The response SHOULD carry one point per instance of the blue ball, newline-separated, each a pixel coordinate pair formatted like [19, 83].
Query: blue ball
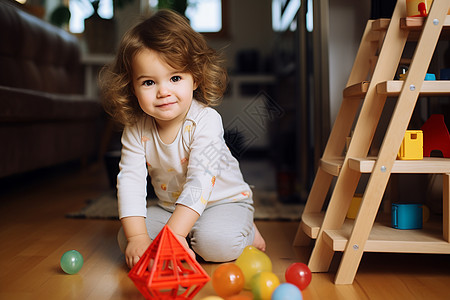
[71, 262]
[287, 291]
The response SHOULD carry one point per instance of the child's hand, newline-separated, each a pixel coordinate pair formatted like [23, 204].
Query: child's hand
[136, 248]
[183, 241]
[181, 222]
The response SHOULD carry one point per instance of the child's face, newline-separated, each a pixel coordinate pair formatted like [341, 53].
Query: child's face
[162, 92]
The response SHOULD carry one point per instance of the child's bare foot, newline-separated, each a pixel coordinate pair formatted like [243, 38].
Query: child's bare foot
[258, 241]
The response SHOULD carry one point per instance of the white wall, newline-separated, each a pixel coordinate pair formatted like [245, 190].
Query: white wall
[348, 19]
[250, 27]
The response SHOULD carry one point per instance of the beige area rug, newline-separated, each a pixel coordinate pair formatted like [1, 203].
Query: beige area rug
[267, 207]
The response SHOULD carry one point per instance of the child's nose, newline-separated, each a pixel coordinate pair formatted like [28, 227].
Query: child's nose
[163, 91]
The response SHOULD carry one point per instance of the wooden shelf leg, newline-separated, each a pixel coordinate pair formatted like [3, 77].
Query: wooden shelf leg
[339, 132]
[334, 148]
[363, 225]
[446, 207]
[344, 190]
[315, 202]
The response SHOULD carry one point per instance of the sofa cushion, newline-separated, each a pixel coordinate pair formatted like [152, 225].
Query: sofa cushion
[37, 55]
[21, 105]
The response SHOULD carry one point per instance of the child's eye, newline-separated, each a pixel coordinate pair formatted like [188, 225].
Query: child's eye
[148, 83]
[175, 78]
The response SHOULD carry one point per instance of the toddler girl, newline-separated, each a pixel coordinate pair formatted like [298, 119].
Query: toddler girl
[161, 88]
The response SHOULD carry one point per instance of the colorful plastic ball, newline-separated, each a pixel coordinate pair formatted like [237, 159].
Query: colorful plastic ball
[287, 291]
[245, 295]
[71, 262]
[228, 280]
[263, 284]
[252, 261]
[212, 298]
[299, 275]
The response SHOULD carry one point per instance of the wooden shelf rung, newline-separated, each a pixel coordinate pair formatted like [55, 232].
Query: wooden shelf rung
[311, 223]
[429, 165]
[429, 87]
[393, 88]
[356, 90]
[387, 239]
[416, 23]
[332, 166]
[405, 61]
[381, 24]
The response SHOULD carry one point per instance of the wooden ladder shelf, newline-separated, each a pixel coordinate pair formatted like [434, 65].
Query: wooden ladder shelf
[369, 84]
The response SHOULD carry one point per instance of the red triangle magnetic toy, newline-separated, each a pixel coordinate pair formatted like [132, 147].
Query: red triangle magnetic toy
[167, 270]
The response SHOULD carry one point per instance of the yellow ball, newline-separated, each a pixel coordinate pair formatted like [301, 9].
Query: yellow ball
[263, 284]
[251, 262]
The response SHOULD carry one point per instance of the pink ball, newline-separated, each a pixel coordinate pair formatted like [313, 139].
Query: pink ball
[299, 275]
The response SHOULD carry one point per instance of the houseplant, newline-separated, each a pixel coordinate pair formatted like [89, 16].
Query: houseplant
[99, 33]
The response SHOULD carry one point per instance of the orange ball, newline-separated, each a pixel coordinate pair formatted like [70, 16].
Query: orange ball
[246, 295]
[228, 280]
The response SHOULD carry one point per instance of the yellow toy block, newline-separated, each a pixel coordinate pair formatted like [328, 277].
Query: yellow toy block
[354, 206]
[412, 146]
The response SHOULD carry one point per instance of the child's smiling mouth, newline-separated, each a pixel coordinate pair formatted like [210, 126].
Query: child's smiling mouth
[165, 105]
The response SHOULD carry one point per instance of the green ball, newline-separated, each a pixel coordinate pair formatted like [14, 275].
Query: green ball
[71, 262]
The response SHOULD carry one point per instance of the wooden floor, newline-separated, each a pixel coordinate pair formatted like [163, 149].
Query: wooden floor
[34, 234]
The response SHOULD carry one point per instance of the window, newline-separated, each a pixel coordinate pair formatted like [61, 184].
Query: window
[284, 13]
[82, 9]
[206, 16]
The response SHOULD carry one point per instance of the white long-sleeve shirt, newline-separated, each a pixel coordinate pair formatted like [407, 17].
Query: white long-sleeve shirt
[197, 169]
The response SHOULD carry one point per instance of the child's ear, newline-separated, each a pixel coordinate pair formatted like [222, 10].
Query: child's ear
[195, 85]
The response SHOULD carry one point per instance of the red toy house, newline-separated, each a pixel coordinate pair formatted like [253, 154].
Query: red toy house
[436, 136]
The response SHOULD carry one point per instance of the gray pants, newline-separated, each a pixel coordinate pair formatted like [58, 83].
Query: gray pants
[219, 235]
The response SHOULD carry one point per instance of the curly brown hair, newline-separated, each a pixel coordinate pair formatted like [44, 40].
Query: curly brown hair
[182, 48]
